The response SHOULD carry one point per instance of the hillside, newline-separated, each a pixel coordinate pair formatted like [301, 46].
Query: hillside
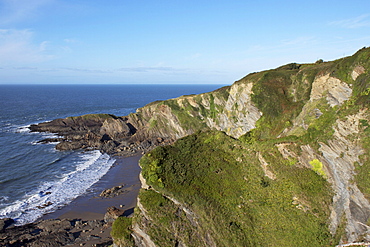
[279, 158]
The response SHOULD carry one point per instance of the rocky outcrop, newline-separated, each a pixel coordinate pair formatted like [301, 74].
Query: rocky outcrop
[56, 233]
[108, 133]
[313, 114]
[315, 109]
[238, 114]
[159, 123]
[113, 192]
[357, 71]
[339, 157]
[335, 90]
[112, 214]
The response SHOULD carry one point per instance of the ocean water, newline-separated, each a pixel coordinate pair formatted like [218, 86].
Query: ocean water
[36, 179]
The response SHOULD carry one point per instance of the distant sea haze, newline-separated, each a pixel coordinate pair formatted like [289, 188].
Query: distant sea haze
[35, 178]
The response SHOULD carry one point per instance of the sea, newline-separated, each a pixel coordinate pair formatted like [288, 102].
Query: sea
[36, 179]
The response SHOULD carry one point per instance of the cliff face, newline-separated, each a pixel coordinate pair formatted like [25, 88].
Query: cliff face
[228, 109]
[279, 158]
[291, 120]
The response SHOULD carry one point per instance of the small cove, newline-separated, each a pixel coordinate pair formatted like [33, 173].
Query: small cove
[90, 205]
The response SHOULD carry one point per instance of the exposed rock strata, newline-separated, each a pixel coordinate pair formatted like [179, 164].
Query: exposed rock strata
[339, 156]
[315, 91]
[108, 133]
[157, 123]
[55, 233]
[113, 192]
[112, 214]
[335, 90]
[239, 115]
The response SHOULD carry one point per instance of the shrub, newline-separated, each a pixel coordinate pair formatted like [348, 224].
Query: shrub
[121, 231]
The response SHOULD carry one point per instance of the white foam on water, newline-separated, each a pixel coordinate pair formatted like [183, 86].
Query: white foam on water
[4, 200]
[50, 196]
[22, 129]
[25, 129]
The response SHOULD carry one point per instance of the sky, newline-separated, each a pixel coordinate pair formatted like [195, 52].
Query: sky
[171, 41]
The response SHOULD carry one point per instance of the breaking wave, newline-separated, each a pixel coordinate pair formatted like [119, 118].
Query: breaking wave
[51, 195]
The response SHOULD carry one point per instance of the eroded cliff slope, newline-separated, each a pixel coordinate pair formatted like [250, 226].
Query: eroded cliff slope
[282, 159]
[279, 158]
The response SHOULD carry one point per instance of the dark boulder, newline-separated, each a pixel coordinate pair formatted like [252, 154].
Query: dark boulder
[113, 192]
[112, 214]
[4, 223]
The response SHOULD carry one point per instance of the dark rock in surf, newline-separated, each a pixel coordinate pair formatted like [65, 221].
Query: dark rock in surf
[4, 223]
[104, 132]
[95, 131]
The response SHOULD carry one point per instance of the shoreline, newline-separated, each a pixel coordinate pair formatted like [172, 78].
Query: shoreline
[86, 221]
[90, 206]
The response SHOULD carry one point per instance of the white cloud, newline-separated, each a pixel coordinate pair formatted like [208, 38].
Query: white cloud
[148, 69]
[356, 22]
[87, 70]
[16, 46]
[25, 68]
[12, 11]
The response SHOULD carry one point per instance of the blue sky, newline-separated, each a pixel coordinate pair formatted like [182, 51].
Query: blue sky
[142, 41]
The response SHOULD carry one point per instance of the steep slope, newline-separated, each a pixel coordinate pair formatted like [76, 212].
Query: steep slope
[302, 128]
[227, 109]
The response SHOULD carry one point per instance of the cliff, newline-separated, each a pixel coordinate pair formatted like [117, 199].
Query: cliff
[279, 158]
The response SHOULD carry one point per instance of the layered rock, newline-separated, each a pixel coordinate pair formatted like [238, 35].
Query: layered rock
[108, 133]
[315, 114]
[56, 233]
[318, 111]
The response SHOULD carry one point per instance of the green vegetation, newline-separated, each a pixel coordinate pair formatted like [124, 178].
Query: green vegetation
[271, 94]
[363, 169]
[221, 183]
[317, 167]
[184, 115]
[169, 223]
[343, 67]
[231, 197]
[121, 231]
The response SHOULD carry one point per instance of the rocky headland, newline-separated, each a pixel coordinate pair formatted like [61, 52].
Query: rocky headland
[107, 133]
[279, 158]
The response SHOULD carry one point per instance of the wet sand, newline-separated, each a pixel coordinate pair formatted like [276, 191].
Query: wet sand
[90, 206]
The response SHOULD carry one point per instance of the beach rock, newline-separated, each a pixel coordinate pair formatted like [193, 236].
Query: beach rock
[44, 233]
[4, 223]
[103, 132]
[50, 140]
[55, 225]
[116, 128]
[112, 192]
[112, 214]
[58, 232]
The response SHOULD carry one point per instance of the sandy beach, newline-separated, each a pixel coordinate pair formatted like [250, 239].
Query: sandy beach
[91, 206]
